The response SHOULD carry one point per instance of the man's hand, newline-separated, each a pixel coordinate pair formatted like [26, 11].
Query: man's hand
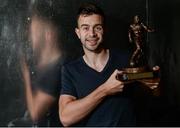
[156, 68]
[130, 40]
[113, 85]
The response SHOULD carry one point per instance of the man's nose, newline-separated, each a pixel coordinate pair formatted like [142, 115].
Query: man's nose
[92, 32]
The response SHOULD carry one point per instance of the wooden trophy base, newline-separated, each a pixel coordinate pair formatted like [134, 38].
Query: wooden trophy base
[143, 75]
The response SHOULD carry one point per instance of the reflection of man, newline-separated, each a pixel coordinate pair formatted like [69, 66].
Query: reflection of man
[42, 80]
[136, 35]
[91, 95]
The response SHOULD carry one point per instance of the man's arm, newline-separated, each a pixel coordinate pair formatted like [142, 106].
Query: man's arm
[38, 103]
[146, 28]
[129, 34]
[72, 110]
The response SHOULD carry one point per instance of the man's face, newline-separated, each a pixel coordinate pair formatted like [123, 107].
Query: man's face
[136, 19]
[90, 31]
[36, 34]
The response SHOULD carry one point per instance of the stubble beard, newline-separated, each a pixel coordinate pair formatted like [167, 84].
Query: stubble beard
[95, 49]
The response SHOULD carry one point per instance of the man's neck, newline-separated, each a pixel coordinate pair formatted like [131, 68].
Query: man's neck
[98, 60]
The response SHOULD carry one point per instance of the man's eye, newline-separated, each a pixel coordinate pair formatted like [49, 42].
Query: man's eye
[98, 28]
[85, 28]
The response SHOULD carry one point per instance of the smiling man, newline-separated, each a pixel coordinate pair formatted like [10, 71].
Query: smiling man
[91, 95]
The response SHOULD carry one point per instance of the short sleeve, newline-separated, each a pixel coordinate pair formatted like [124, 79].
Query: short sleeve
[67, 82]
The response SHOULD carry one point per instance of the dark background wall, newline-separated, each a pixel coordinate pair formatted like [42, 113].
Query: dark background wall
[162, 47]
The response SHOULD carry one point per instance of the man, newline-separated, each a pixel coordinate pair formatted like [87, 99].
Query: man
[136, 35]
[41, 81]
[91, 95]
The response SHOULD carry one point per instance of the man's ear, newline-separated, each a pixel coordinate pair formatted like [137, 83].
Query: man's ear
[77, 32]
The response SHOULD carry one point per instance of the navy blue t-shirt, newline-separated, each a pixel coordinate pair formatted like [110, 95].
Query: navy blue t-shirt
[79, 80]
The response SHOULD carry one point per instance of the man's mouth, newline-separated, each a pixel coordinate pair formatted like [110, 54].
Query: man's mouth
[92, 41]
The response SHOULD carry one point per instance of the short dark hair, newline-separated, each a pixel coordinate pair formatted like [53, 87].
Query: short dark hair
[89, 9]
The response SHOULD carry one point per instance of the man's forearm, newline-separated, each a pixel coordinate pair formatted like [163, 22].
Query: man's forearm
[29, 94]
[76, 110]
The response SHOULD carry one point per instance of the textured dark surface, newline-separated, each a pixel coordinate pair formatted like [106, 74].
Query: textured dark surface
[163, 48]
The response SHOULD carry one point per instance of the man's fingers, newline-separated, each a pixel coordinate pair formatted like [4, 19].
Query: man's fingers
[156, 68]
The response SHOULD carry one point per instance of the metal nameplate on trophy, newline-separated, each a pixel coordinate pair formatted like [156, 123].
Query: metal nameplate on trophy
[135, 76]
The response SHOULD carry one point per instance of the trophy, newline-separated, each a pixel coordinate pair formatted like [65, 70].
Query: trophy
[138, 69]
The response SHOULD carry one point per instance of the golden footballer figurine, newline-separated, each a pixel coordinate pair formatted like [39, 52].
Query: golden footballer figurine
[136, 35]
